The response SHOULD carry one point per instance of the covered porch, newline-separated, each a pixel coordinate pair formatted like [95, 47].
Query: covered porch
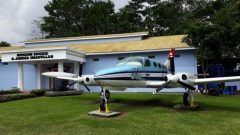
[61, 59]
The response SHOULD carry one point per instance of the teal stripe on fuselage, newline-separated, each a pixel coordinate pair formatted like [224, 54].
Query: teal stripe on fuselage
[130, 69]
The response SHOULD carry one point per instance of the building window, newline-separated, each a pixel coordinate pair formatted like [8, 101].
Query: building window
[151, 57]
[96, 59]
[120, 58]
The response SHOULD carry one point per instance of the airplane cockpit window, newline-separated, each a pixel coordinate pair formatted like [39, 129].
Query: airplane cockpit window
[147, 63]
[159, 65]
[134, 61]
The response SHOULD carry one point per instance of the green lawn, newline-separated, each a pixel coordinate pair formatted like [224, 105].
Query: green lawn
[142, 114]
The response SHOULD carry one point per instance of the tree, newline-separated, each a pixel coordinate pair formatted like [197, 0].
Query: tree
[227, 20]
[129, 18]
[99, 18]
[4, 44]
[202, 36]
[37, 30]
[78, 17]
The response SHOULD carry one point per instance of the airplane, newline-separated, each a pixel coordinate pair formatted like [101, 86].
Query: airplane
[142, 72]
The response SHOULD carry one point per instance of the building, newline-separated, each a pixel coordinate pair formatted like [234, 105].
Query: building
[21, 66]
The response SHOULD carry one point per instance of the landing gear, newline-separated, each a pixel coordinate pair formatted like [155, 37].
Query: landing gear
[103, 110]
[107, 94]
[188, 102]
[104, 97]
[188, 98]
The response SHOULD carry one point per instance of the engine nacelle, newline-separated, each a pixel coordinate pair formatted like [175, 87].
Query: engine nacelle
[89, 80]
[183, 77]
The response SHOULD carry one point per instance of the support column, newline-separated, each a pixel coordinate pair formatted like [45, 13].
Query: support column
[76, 71]
[60, 66]
[39, 78]
[20, 77]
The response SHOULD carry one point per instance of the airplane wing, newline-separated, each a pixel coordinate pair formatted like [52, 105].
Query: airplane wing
[156, 83]
[217, 79]
[59, 74]
[72, 79]
[63, 75]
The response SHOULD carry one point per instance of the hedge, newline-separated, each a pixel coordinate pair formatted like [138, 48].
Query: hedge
[18, 96]
[38, 92]
[13, 91]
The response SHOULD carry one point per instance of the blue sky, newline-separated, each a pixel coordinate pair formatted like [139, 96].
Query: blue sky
[17, 15]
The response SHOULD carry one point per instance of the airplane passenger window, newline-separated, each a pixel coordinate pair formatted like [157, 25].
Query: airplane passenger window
[155, 64]
[147, 63]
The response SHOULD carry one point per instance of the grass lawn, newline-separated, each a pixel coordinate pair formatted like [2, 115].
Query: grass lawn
[142, 114]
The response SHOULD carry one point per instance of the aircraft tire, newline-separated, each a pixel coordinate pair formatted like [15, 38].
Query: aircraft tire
[107, 94]
[186, 99]
[102, 105]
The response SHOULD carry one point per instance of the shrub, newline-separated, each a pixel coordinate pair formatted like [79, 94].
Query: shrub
[38, 92]
[12, 97]
[3, 92]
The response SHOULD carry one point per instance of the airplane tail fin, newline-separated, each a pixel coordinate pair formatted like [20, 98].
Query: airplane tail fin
[170, 61]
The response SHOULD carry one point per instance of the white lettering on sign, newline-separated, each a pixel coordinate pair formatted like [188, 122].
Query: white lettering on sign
[35, 55]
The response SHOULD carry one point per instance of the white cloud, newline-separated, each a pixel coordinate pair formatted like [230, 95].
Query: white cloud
[16, 17]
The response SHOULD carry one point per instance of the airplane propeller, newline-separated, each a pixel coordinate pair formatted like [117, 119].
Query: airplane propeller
[186, 85]
[80, 75]
[171, 59]
[172, 54]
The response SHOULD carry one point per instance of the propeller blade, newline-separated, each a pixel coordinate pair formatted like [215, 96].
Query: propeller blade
[80, 69]
[86, 87]
[186, 85]
[70, 84]
[171, 59]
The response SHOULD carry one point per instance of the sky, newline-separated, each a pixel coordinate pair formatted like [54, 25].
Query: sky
[16, 18]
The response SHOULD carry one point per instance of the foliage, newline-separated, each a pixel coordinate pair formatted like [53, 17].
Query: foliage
[37, 30]
[227, 20]
[208, 24]
[4, 44]
[38, 92]
[12, 97]
[129, 18]
[78, 17]
[13, 91]
[142, 114]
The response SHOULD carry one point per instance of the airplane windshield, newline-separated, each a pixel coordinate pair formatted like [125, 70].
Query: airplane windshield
[134, 61]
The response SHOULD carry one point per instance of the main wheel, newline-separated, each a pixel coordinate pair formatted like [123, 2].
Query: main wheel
[186, 99]
[102, 105]
[107, 94]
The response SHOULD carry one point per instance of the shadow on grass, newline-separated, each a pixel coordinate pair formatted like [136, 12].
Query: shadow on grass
[210, 107]
[128, 103]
